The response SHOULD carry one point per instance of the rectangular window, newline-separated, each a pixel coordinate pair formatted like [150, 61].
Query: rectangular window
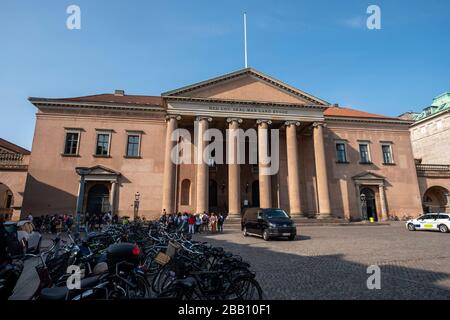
[364, 153]
[387, 154]
[102, 148]
[341, 153]
[133, 145]
[71, 143]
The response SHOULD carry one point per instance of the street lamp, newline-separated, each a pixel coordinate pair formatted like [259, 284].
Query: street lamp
[137, 197]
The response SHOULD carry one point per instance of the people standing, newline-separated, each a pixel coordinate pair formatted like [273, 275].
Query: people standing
[69, 222]
[163, 218]
[213, 222]
[220, 220]
[198, 223]
[191, 222]
[205, 222]
[53, 224]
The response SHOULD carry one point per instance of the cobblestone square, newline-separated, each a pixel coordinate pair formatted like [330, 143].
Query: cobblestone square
[330, 262]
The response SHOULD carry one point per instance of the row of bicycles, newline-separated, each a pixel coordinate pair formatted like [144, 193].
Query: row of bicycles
[141, 261]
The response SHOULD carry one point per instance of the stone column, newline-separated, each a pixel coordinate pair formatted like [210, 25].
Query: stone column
[293, 169]
[384, 212]
[169, 166]
[202, 183]
[112, 200]
[321, 171]
[234, 172]
[265, 185]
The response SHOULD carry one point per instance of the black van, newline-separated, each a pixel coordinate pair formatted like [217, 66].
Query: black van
[268, 223]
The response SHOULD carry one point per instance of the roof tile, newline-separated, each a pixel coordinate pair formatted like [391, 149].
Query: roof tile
[352, 113]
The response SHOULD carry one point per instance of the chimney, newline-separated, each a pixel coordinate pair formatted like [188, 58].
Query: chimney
[120, 93]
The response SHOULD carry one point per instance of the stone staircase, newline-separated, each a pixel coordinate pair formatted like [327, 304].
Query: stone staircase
[235, 223]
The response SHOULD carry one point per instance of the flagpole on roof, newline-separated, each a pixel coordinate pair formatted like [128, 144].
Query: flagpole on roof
[245, 39]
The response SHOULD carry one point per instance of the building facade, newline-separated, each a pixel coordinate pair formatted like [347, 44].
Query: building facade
[13, 173]
[430, 139]
[115, 152]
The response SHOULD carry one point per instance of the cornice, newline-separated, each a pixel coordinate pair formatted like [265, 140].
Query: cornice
[243, 102]
[366, 120]
[42, 103]
[431, 117]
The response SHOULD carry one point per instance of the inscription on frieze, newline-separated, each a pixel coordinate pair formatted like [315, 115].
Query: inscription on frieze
[247, 109]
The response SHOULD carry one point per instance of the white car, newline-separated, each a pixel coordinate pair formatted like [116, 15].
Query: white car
[26, 234]
[430, 221]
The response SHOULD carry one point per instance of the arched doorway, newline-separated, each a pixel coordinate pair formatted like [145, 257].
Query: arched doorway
[255, 193]
[6, 201]
[368, 206]
[212, 193]
[6, 197]
[98, 199]
[435, 199]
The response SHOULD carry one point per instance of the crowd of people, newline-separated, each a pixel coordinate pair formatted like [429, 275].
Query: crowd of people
[194, 223]
[187, 222]
[64, 222]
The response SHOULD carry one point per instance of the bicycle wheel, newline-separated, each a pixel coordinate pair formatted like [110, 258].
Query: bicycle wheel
[161, 277]
[244, 288]
[140, 288]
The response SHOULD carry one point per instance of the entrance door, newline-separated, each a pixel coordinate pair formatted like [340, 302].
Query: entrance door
[368, 207]
[212, 194]
[255, 193]
[98, 199]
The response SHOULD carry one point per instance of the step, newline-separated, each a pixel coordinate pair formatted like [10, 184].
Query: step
[311, 222]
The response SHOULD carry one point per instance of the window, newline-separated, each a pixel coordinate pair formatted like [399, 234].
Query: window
[364, 155]
[103, 141]
[185, 192]
[71, 143]
[9, 200]
[133, 145]
[387, 154]
[341, 153]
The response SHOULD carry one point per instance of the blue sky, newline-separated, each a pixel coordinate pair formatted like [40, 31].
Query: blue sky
[147, 47]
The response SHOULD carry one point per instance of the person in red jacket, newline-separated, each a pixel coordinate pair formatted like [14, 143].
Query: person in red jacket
[191, 222]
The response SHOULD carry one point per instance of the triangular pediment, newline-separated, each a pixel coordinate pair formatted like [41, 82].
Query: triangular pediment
[247, 85]
[98, 170]
[368, 176]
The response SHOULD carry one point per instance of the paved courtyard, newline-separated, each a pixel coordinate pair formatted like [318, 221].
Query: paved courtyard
[330, 262]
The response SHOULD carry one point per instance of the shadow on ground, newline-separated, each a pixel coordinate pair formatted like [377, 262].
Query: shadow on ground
[295, 276]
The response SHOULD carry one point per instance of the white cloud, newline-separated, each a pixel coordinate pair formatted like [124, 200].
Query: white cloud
[355, 22]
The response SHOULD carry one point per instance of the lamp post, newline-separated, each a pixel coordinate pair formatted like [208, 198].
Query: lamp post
[364, 205]
[137, 197]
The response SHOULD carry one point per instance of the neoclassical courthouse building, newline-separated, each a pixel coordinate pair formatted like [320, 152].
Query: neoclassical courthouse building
[112, 152]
